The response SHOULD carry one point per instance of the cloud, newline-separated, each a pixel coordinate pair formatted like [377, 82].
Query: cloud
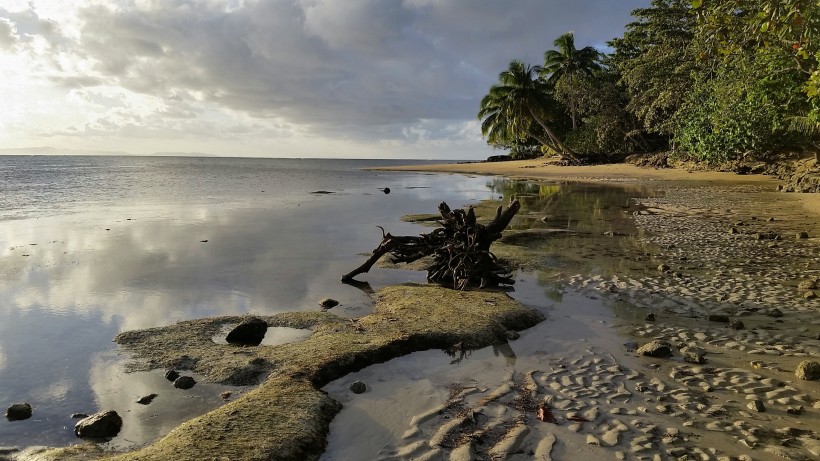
[367, 70]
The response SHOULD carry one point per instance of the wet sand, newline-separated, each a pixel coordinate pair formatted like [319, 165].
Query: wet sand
[719, 281]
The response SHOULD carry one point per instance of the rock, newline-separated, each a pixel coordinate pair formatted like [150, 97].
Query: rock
[386, 190]
[146, 399]
[756, 405]
[18, 412]
[171, 375]
[733, 230]
[803, 235]
[808, 370]
[656, 348]
[250, 332]
[328, 303]
[630, 346]
[774, 312]
[795, 410]
[693, 357]
[809, 295]
[103, 425]
[512, 335]
[650, 317]
[808, 284]
[722, 318]
[225, 395]
[664, 268]
[184, 382]
[78, 415]
[358, 387]
[737, 325]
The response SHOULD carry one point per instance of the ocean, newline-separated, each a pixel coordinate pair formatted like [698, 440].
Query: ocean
[93, 246]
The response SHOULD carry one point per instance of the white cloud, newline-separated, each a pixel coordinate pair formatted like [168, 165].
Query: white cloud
[362, 72]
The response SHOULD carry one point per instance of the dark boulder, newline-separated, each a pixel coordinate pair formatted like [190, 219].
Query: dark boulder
[250, 332]
[184, 382]
[328, 303]
[18, 412]
[171, 375]
[102, 425]
[358, 387]
[656, 348]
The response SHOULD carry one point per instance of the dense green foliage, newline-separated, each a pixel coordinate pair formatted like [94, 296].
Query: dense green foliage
[713, 80]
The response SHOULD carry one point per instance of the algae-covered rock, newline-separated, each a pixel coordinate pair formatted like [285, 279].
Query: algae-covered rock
[808, 370]
[656, 348]
[287, 417]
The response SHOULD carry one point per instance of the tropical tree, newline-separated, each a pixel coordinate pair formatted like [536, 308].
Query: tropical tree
[519, 107]
[656, 62]
[564, 66]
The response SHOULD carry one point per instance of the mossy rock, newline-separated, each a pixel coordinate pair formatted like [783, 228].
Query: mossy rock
[287, 417]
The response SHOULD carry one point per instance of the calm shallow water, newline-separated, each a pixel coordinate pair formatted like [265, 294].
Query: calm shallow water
[94, 246]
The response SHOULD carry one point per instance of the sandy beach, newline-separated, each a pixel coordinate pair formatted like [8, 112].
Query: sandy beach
[718, 271]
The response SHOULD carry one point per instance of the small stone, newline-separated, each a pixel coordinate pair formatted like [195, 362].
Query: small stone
[386, 190]
[184, 382]
[774, 312]
[630, 346]
[101, 425]
[803, 235]
[692, 357]
[78, 415]
[18, 412]
[329, 303]
[226, 395]
[808, 370]
[650, 317]
[808, 284]
[722, 318]
[664, 268]
[737, 325]
[733, 230]
[146, 399]
[756, 405]
[809, 295]
[358, 387]
[795, 410]
[656, 348]
[171, 375]
[512, 335]
[250, 332]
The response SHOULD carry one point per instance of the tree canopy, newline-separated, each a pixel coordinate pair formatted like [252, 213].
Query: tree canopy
[711, 80]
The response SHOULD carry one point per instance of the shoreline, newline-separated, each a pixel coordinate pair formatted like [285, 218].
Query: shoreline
[693, 209]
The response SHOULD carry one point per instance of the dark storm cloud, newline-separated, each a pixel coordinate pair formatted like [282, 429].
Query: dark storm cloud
[366, 66]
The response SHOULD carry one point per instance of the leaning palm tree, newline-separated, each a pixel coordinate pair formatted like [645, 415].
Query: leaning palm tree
[569, 63]
[512, 107]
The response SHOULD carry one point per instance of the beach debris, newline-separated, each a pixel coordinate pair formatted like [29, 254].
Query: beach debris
[184, 382]
[18, 412]
[358, 387]
[545, 414]
[656, 348]
[250, 332]
[460, 249]
[328, 303]
[102, 425]
[171, 375]
[203, 241]
[145, 400]
[808, 370]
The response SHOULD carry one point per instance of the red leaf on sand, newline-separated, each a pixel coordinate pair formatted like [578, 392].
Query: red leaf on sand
[545, 415]
[579, 419]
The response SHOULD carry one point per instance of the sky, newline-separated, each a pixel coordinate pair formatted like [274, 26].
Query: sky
[272, 78]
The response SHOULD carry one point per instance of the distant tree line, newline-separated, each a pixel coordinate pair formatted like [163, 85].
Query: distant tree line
[709, 80]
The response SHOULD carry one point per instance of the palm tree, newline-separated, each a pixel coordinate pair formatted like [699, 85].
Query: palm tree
[518, 101]
[568, 63]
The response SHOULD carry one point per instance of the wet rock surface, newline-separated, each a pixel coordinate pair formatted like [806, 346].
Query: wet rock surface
[250, 332]
[102, 425]
[18, 412]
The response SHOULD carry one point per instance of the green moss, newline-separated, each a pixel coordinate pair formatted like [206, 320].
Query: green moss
[287, 417]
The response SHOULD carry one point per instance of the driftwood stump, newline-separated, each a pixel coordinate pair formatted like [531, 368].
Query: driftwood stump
[460, 249]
